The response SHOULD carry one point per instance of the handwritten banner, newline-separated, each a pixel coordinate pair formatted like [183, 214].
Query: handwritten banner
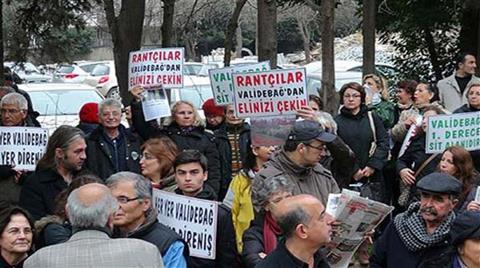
[22, 147]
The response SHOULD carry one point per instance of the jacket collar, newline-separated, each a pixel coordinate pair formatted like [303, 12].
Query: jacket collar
[88, 234]
[348, 113]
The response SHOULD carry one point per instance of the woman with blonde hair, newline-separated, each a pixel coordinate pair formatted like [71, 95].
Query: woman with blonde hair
[377, 99]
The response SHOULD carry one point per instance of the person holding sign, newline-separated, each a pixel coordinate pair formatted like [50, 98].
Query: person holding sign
[135, 218]
[190, 173]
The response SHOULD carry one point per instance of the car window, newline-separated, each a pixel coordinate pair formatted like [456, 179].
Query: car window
[65, 69]
[62, 102]
[313, 85]
[88, 67]
[191, 69]
[100, 70]
[196, 94]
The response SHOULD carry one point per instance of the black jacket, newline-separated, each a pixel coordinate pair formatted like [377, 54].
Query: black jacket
[225, 243]
[340, 162]
[282, 258]
[87, 128]
[390, 251]
[242, 134]
[39, 192]
[253, 242]
[225, 157]
[99, 159]
[356, 132]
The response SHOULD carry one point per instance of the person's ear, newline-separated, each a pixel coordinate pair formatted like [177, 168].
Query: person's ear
[146, 204]
[59, 153]
[301, 231]
[205, 175]
[454, 202]
[24, 114]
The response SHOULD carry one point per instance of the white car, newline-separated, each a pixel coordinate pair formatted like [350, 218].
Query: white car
[314, 80]
[104, 79]
[196, 89]
[28, 72]
[74, 73]
[59, 103]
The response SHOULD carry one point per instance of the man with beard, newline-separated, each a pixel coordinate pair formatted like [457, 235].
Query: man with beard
[419, 237]
[63, 159]
[299, 161]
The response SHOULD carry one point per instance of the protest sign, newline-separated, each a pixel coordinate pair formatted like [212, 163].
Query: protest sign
[163, 66]
[222, 84]
[276, 92]
[272, 130]
[22, 147]
[455, 129]
[155, 103]
[195, 220]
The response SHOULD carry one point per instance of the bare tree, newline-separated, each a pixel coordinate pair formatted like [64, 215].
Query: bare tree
[267, 31]
[126, 30]
[368, 29]
[231, 29]
[167, 25]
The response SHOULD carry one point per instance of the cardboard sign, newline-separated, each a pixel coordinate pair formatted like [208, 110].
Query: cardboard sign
[22, 147]
[455, 129]
[276, 92]
[222, 84]
[163, 66]
[195, 220]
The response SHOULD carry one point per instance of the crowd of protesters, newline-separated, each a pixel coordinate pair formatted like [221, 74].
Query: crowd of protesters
[89, 201]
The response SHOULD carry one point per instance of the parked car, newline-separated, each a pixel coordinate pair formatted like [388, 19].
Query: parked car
[104, 79]
[28, 72]
[196, 89]
[59, 103]
[74, 73]
[314, 80]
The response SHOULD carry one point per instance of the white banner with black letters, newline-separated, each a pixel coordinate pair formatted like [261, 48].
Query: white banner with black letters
[22, 147]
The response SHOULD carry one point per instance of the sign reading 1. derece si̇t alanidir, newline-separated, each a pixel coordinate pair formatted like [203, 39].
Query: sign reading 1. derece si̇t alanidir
[22, 147]
[163, 66]
[222, 84]
[455, 129]
[276, 92]
[195, 220]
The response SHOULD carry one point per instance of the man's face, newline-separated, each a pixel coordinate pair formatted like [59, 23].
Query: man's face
[110, 117]
[230, 116]
[12, 115]
[319, 228]
[312, 153]
[434, 208]
[73, 158]
[190, 178]
[131, 211]
[468, 65]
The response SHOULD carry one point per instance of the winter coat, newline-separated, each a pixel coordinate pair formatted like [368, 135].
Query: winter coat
[225, 243]
[167, 184]
[390, 251]
[196, 139]
[225, 157]
[99, 157]
[281, 257]
[475, 154]
[253, 242]
[449, 92]
[239, 137]
[316, 180]
[87, 128]
[340, 161]
[39, 192]
[51, 230]
[360, 140]
[385, 110]
[9, 187]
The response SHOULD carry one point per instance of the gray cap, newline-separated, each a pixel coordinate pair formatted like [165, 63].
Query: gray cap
[306, 130]
[439, 183]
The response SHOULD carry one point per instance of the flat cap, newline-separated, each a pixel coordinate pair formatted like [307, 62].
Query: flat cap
[466, 226]
[439, 183]
[306, 130]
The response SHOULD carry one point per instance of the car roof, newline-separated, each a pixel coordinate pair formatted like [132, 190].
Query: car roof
[54, 86]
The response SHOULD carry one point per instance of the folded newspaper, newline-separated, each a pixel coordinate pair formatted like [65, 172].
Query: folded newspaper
[355, 216]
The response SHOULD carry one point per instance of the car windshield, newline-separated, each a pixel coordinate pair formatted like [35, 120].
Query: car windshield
[62, 102]
[88, 67]
[100, 70]
[65, 69]
[196, 94]
[192, 69]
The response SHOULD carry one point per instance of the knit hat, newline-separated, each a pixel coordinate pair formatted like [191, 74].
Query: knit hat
[210, 109]
[89, 113]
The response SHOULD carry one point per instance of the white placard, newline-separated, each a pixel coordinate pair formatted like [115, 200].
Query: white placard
[276, 92]
[155, 103]
[22, 147]
[456, 129]
[163, 66]
[222, 84]
[195, 220]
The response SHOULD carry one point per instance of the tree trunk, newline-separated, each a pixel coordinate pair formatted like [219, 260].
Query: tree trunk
[167, 25]
[126, 30]
[368, 29]
[470, 28]
[238, 41]
[230, 31]
[433, 54]
[303, 29]
[329, 94]
[2, 77]
[267, 31]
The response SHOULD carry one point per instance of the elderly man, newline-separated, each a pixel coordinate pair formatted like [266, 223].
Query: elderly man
[13, 111]
[417, 237]
[91, 209]
[299, 161]
[110, 147]
[63, 159]
[135, 218]
[306, 227]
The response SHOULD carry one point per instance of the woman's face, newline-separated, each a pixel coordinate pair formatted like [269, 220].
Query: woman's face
[274, 199]
[471, 252]
[422, 94]
[17, 236]
[446, 164]
[149, 164]
[263, 152]
[474, 97]
[352, 99]
[184, 115]
[402, 96]
[425, 119]
[314, 106]
[371, 84]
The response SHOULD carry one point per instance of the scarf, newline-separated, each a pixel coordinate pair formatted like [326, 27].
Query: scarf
[270, 233]
[411, 229]
[187, 130]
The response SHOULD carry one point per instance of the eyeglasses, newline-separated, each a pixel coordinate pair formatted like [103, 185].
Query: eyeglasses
[107, 114]
[147, 156]
[124, 199]
[320, 148]
[9, 111]
[354, 96]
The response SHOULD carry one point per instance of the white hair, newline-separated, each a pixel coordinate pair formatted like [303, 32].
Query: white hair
[96, 214]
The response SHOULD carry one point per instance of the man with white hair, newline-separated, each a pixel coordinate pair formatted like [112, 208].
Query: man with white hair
[13, 111]
[91, 209]
[111, 147]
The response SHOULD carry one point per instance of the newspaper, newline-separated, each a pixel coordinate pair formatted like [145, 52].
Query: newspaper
[355, 216]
